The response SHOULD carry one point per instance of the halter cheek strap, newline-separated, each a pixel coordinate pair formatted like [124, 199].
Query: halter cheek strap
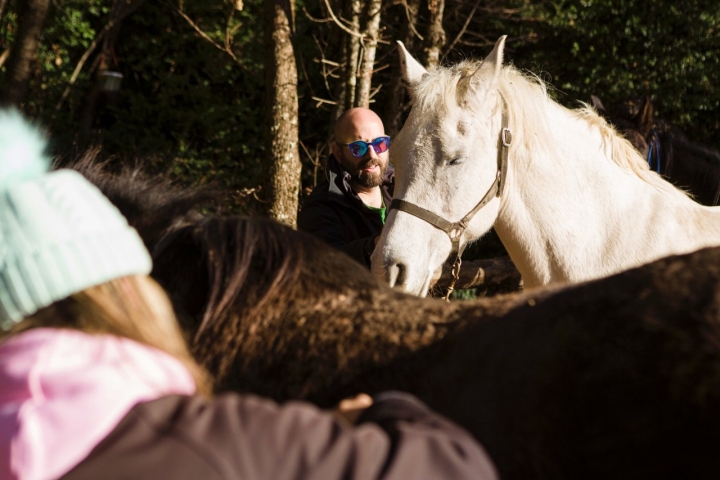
[455, 230]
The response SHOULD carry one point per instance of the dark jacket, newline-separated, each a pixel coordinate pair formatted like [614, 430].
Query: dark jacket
[246, 437]
[334, 213]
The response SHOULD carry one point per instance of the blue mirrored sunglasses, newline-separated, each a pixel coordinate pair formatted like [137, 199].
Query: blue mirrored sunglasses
[359, 148]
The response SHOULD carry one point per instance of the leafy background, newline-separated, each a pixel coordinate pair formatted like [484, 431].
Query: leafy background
[186, 108]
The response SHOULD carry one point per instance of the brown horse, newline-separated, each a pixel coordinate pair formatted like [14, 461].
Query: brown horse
[615, 378]
[687, 164]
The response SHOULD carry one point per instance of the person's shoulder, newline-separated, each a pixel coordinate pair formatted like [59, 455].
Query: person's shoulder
[318, 195]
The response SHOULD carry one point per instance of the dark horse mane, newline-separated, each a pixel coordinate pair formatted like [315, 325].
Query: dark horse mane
[614, 378]
[687, 164]
[242, 286]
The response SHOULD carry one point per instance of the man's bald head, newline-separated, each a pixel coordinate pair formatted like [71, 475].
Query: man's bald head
[353, 123]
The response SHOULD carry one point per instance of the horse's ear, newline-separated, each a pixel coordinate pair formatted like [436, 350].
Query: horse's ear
[410, 68]
[493, 62]
[647, 120]
[490, 67]
[597, 104]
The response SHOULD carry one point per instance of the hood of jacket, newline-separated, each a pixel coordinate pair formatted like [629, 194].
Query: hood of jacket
[62, 391]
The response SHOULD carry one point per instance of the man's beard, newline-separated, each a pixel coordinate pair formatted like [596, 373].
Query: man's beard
[361, 177]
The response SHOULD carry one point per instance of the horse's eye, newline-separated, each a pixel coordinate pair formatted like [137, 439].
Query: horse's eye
[456, 161]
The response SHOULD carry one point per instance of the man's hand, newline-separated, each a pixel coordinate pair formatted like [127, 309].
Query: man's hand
[351, 408]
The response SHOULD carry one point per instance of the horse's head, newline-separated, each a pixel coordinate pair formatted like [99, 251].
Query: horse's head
[446, 159]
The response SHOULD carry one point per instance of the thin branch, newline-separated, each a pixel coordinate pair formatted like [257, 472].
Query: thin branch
[4, 56]
[81, 63]
[411, 22]
[462, 30]
[305, 74]
[205, 35]
[476, 44]
[316, 20]
[375, 91]
[325, 73]
[343, 27]
[228, 36]
[320, 101]
[93, 45]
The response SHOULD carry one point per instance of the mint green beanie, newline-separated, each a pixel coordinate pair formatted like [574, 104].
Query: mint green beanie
[58, 234]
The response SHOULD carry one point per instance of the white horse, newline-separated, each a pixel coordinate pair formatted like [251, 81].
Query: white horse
[573, 201]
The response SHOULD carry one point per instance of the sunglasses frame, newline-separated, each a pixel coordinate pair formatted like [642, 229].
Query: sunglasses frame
[368, 145]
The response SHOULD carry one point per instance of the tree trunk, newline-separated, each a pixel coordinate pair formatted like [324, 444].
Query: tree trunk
[32, 16]
[371, 33]
[435, 38]
[398, 104]
[353, 56]
[282, 172]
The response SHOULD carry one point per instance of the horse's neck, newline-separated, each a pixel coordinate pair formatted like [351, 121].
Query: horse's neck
[577, 215]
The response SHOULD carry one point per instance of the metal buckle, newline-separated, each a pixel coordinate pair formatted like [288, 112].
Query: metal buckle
[506, 137]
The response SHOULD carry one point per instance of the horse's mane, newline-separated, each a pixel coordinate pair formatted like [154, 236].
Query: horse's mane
[230, 278]
[527, 100]
[622, 152]
[236, 267]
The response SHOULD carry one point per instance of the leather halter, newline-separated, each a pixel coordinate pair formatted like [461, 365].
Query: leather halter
[455, 230]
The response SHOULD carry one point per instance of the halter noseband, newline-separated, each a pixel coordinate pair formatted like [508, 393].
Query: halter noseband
[455, 230]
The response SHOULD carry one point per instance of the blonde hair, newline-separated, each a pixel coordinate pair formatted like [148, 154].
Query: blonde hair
[134, 307]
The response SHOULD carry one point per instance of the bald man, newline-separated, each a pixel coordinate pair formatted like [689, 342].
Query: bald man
[348, 210]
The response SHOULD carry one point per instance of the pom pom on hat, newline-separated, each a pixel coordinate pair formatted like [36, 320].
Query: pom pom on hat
[21, 150]
[58, 234]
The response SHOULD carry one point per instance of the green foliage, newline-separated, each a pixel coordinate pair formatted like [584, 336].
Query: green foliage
[189, 108]
[668, 50]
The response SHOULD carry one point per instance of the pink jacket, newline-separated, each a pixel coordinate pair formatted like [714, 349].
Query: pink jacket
[63, 391]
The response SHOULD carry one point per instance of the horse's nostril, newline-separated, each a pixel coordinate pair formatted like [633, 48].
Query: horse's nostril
[396, 274]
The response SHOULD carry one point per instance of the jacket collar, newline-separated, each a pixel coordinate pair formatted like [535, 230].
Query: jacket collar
[63, 391]
[341, 191]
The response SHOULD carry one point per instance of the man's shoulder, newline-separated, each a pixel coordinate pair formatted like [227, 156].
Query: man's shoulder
[319, 194]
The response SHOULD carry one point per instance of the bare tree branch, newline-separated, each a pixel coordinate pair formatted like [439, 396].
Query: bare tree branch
[204, 35]
[462, 30]
[316, 20]
[93, 45]
[4, 56]
[411, 22]
[339, 24]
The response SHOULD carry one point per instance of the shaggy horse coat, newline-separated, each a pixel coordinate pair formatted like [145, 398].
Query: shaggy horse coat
[615, 378]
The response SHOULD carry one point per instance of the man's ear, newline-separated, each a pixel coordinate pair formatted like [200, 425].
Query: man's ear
[335, 151]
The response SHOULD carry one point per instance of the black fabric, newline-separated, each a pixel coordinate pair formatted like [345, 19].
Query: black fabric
[334, 213]
[246, 437]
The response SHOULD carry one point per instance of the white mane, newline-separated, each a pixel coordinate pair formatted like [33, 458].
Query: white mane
[526, 98]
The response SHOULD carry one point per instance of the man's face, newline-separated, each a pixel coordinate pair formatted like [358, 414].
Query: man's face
[366, 171]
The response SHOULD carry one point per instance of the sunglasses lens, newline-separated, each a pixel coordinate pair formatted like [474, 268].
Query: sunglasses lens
[381, 144]
[358, 149]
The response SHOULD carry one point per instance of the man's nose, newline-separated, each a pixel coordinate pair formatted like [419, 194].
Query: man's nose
[371, 152]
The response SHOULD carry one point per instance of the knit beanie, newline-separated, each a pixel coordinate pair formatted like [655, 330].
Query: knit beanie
[58, 234]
